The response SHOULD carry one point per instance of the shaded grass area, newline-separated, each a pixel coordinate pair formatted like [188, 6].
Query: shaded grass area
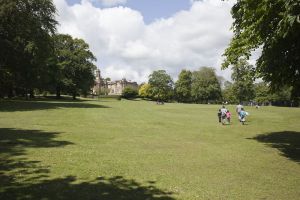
[288, 142]
[102, 188]
[140, 150]
[42, 104]
[13, 162]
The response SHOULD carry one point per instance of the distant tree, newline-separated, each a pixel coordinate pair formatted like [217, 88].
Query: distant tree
[262, 93]
[183, 86]
[74, 66]
[161, 85]
[282, 97]
[274, 27]
[144, 91]
[25, 38]
[205, 85]
[243, 77]
[228, 93]
[129, 93]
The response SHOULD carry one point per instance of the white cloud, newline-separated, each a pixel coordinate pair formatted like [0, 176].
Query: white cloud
[109, 3]
[127, 47]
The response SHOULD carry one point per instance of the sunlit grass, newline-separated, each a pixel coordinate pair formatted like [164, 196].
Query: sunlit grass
[180, 149]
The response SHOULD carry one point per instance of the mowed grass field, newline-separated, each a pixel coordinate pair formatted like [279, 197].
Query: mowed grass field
[109, 149]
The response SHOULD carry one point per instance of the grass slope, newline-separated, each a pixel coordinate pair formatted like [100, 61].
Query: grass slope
[138, 150]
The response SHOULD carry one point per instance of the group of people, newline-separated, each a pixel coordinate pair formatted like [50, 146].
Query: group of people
[224, 115]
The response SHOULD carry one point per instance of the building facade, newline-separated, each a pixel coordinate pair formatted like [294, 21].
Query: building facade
[107, 87]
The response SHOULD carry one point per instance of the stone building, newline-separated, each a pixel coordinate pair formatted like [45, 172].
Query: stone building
[107, 87]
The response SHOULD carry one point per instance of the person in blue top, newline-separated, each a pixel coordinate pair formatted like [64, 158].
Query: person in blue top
[242, 116]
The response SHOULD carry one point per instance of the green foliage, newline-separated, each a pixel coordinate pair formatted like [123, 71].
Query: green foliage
[274, 27]
[229, 94]
[205, 85]
[161, 85]
[144, 91]
[129, 93]
[74, 67]
[25, 38]
[262, 93]
[243, 80]
[183, 86]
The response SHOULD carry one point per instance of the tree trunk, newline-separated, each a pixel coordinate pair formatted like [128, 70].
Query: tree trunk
[58, 92]
[74, 96]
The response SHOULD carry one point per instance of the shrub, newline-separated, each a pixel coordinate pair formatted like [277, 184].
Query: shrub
[129, 93]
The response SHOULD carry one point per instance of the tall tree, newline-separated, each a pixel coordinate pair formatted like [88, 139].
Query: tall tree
[183, 86]
[274, 27]
[243, 78]
[205, 85]
[73, 71]
[161, 85]
[228, 93]
[25, 30]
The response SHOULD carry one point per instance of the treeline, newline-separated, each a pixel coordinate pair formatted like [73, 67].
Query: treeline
[34, 58]
[204, 86]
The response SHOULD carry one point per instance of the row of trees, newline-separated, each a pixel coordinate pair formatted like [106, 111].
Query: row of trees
[198, 86]
[204, 86]
[34, 58]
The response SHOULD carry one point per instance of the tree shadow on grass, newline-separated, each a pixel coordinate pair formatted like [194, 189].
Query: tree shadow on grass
[14, 142]
[114, 188]
[17, 105]
[288, 142]
[13, 150]
[21, 178]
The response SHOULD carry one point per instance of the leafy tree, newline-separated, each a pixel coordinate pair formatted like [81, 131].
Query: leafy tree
[25, 38]
[205, 85]
[129, 93]
[161, 85]
[282, 97]
[183, 86]
[74, 65]
[228, 93]
[274, 27]
[144, 91]
[243, 78]
[262, 93]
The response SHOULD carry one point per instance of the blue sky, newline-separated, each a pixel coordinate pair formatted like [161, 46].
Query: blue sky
[150, 9]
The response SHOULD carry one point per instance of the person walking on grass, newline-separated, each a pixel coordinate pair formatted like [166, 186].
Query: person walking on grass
[223, 114]
[238, 110]
[242, 116]
[228, 116]
[219, 115]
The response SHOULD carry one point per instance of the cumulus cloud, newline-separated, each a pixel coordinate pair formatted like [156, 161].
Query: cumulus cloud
[127, 47]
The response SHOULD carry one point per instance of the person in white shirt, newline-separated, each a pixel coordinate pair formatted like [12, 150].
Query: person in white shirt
[238, 110]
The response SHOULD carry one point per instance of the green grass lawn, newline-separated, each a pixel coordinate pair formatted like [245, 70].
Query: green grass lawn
[136, 150]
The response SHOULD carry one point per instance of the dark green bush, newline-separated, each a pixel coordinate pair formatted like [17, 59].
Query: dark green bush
[129, 93]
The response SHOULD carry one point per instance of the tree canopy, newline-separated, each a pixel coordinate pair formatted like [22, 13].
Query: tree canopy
[161, 85]
[205, 85]
[242, 75]
[25, 32]
[144, 90]
[183, 86]
[274, 27]
[74, 70]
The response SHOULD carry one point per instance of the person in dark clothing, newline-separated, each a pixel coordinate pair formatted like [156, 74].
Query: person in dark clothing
[219, 115]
